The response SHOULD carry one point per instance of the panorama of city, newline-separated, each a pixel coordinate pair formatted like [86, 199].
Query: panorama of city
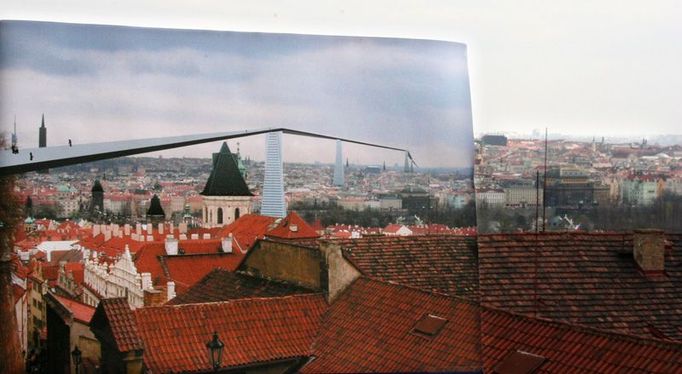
[328, 210]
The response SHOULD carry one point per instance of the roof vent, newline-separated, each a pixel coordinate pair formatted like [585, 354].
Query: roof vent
[429, 325]
[519, 362]
[293, 228]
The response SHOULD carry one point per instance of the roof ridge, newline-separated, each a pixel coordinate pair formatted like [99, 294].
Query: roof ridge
[238, 301]
[662, 343]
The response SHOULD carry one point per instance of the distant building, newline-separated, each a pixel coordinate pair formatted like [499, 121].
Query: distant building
[338, 166]
[97, 197]
[226, 195]
[499, 140]
[273, 204]
[155, 213]
[42, 134]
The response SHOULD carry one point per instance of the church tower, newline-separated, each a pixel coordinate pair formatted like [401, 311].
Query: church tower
[226, 195]
[97, 197]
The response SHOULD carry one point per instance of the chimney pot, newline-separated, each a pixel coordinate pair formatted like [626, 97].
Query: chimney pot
[171, 246]
[226, 244]
[649, 250]
[171, 289]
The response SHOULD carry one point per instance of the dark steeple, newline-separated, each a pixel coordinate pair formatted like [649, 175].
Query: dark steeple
[155, 209]
[97, 197]
[42, 134]
[225, 178]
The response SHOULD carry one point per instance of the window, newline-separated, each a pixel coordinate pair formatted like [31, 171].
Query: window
[236, 214]
[429, 325]
[519, 362]
[220, 216]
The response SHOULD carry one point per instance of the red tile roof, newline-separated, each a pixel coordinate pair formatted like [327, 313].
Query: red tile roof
[223, 285]
[148, 259]
[293, 227]
[575, 349]
[253, 331]
[247, 229]
[370, 328]
[81, 312]
[186, 270]
[440, 263]
[77, 269]
[121, 320]
[586, 279]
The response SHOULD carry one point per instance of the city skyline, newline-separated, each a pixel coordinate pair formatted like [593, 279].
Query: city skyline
[99, 83]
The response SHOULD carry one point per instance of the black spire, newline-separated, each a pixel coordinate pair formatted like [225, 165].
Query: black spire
[155, 208]
[225, 178]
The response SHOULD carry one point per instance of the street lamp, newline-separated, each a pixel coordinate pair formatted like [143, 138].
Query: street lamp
[215, 351]
[76, 354]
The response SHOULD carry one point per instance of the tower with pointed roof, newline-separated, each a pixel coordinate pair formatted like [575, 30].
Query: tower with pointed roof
[97, 197]
[42, 134]
[226, 195]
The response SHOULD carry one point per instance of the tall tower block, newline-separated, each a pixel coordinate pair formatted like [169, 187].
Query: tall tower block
[338, 166]
[42, 134]
[273, 186]
[407, 163]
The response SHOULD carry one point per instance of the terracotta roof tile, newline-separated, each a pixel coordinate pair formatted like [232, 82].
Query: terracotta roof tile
[222, 285]
[586, 279]
[121, 322]
[253, 330]
[186, 270]
[81, 312]
[569, 348]
[292, 227]
[439, 263]
[370, 328]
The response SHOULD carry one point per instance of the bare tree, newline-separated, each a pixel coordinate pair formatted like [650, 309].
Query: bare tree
[11, 360]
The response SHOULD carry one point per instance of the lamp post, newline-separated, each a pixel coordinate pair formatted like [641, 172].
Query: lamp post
[76, 355]
[215, 351]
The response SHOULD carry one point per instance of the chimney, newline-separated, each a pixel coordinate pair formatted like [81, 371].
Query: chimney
[115, 230]
[194, 236]
[226, 244]
[135, 237]
[150, 229]
[146, 281]
[138, 228]
[107, 236]
[183, 228]
[171, 246]
[153, 297]
[95, 230]
[171, 289]
[649, 250]
[207, 236]
[171, 229]
[183, 237]
[126, 229]
[160, 228]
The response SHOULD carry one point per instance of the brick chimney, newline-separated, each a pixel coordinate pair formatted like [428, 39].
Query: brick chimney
[171, 246]
[160, 229]
[226, 244]
[649, 250]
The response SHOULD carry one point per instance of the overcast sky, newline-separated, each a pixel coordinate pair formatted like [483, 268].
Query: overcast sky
[608, 67]
[99, 83]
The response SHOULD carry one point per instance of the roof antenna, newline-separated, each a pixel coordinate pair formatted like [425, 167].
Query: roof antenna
[544, 188]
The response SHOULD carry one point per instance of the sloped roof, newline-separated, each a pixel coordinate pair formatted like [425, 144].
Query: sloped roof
[588, 279]
[121, 322]
[370, 328]
[248, 229]
[81, 312]
[293, 227]
[186, 270]
[440, 263]
[223, 285]
[253, 331]
[569, 348]
[152, 258]
[225, 178]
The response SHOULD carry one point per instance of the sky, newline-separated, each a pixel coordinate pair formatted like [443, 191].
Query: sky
[587, 68]
[100, 83]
